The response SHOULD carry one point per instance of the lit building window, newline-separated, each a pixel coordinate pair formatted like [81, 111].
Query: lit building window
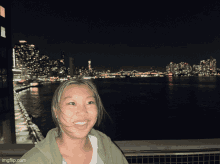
[2, 11]
[3, 32]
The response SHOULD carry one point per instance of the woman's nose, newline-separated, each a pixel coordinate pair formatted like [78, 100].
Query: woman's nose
[82, 109]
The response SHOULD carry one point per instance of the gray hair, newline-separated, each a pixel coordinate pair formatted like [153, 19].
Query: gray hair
[59, 91]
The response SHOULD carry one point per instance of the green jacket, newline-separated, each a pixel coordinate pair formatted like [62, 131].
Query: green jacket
[47, 150]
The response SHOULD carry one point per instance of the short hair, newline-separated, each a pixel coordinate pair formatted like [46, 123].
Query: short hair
[59, 91]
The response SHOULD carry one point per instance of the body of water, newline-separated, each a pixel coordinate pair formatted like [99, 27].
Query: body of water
[150, 108]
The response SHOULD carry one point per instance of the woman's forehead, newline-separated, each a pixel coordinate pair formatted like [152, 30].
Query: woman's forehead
[77, 89]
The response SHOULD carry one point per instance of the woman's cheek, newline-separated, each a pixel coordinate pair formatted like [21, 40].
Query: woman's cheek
[66, 117]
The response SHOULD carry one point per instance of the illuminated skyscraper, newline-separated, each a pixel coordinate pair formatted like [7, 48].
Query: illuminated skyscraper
[89, 64]
[13, 56]
[27, 58]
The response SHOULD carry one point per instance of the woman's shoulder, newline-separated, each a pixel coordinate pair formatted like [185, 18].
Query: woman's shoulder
[34, 155]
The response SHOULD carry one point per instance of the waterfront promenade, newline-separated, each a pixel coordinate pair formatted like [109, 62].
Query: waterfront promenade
[21, 126]
[26, 131]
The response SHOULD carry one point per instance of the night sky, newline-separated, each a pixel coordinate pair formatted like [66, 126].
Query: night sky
[129, 35]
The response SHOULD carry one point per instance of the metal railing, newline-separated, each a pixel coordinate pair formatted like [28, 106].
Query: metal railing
[204, 151]
[34, 131]
[17, 88]
[194, 157]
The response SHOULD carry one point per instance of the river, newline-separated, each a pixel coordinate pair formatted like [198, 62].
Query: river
[152, 108]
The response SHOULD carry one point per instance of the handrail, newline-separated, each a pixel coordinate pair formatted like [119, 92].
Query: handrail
[33, 128]
[169, 147]
[21, 87]
[171, 151]
[179, 152]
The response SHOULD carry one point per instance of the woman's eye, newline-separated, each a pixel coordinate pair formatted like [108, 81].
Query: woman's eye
[71, 103]
[91, 102]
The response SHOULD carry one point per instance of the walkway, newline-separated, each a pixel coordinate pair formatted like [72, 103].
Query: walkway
[21, 127]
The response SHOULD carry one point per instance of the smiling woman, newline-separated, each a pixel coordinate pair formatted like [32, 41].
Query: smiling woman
[76, 108]
[86, 88]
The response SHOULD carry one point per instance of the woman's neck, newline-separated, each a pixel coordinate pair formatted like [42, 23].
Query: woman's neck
[78, 145]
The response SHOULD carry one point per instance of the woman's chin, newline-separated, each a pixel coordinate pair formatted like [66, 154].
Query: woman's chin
[78, 133]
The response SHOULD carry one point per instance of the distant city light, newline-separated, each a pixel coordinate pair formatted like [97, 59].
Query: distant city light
[22, 41]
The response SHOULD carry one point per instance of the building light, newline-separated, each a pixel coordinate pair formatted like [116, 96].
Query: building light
[22, 41]
[2, 11]
[3, 32]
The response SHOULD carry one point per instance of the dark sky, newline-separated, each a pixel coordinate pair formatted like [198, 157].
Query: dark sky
[120, 35]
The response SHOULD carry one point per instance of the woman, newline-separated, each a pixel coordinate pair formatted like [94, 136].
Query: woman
[76, 109]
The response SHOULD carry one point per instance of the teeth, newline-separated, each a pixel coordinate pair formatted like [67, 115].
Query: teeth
[81, 123]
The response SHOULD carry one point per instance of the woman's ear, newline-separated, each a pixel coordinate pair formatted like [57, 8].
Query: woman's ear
[55, 112]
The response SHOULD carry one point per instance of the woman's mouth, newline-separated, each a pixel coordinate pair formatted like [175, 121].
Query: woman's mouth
[81, 125]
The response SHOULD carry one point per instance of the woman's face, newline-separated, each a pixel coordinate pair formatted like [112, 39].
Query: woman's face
[78, 106]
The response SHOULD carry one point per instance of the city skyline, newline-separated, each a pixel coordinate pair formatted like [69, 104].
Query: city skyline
[18, 50]
[131, 36]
